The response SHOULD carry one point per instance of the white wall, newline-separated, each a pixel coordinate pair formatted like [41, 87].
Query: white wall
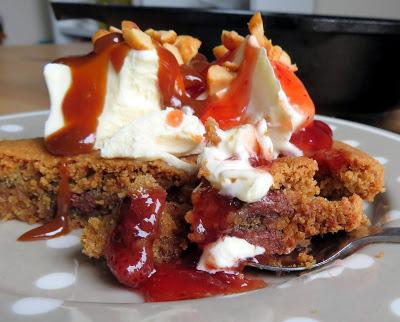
[286, 6]
[25, 21]
[362, 8]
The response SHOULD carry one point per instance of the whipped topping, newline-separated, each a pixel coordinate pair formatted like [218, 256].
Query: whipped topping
[131, 93]
[269, 101]
[226, 253]
[132, 124]
[151, 137]
[273, 121]
[227, 165]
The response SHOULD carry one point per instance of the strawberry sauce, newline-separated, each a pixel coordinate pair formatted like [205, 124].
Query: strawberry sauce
[59, 225]
[230, 110]
[215, 215]
[129, 256]
[129, 252]
[210, 216]
[181, 281]
[312, 138]
[295, 91]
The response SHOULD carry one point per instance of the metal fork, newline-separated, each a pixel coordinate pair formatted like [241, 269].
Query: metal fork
[336, 246]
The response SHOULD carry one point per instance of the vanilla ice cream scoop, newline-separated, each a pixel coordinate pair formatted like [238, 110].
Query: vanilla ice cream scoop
[152, 137]
[132, 123]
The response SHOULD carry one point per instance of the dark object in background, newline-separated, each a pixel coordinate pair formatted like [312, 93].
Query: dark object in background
[2, 34]
[349, 65]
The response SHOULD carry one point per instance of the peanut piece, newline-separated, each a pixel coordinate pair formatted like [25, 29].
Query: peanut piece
[98, 34]
[231, 39]
[137, 39]
[162, 36]
[220, 51]
[127, 25]
[232, 67]
[188, 47]
[175, 52]
[218, 79]
[256, 28]
[114, 29]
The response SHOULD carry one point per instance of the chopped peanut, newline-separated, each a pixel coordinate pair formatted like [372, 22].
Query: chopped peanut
[162, 36]
[98, 34]
[212, 138]
[175, 52]
[220, 51]
[127, 25]
[231, 39]
[267, 44]
[168, 36]
[113, 29]
[211, 131]
[232, 67]
[285, 59]
[218, 79]
[276, 53]
[256, 28]
[137, 39]
[188, 47]
[153, 34]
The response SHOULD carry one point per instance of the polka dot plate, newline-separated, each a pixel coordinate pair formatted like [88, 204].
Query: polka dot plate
[52, 281]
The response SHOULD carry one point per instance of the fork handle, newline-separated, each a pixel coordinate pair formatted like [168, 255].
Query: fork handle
[387, 235]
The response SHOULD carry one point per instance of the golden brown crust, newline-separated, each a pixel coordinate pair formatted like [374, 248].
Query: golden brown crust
[169, 244]
[295, 173]
[358, 174]
[171, 239]
[29, 179]
[95, 235]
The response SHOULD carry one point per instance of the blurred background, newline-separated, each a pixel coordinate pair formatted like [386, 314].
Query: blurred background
[32, 22]
[346, 50]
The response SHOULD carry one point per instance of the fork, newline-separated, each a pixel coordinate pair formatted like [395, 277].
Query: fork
[337, 246]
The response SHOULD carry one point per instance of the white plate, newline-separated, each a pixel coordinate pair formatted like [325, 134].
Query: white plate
[52, 281]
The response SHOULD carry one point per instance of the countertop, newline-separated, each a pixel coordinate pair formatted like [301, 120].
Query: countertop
[22, 86]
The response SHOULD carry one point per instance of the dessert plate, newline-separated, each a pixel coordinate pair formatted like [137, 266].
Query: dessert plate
[52, 281]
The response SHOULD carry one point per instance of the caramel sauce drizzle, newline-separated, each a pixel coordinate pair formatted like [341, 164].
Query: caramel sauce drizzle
[179, 85]
[59, 225]
[84, 101]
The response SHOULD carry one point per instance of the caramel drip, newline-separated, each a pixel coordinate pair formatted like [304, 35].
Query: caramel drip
[84, 101]
[59, 225]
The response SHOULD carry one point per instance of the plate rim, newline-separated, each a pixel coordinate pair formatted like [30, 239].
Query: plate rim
[388, 134]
